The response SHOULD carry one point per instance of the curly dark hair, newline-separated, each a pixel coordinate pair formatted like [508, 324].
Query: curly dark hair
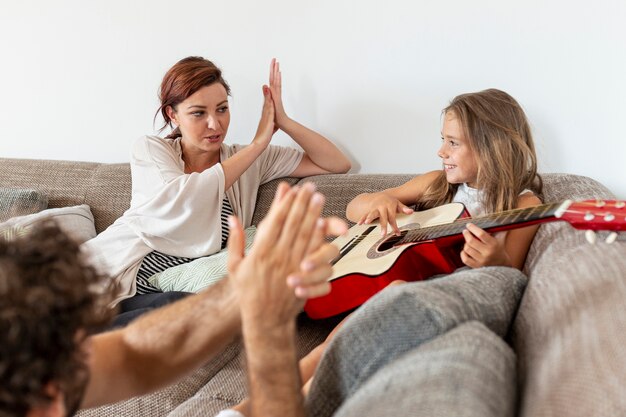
[50, 301]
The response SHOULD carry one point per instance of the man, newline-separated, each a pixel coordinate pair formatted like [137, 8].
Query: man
[51, 303]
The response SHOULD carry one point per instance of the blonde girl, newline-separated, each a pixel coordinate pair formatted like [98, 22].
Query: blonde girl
[488, 163]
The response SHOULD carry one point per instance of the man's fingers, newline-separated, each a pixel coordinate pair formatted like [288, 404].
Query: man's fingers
[281, 190]
[334, 226]
[300, 221]
[313, 292]
[322, 256]
[315, 269]
[312, 279]
[270, 227]
[317, 237]
[310, 230]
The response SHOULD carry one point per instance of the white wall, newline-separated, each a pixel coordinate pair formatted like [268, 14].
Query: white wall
[79, 78]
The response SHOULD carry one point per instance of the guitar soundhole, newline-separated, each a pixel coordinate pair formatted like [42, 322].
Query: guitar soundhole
[391, 241]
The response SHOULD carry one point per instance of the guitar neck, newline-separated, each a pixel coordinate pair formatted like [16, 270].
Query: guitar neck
[505, 220]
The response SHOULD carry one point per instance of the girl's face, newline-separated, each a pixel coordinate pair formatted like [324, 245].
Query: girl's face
[459, 161]
[203, 118]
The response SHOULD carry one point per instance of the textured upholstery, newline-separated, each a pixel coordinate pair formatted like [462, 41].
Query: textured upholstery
[467, 372]
[104, 187]
[20, 202]
[570, 329]
[568, 333]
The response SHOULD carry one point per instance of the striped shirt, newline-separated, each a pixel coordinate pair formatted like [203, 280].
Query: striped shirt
[156, 262]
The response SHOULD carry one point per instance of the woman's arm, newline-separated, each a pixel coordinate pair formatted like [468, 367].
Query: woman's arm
[237, 164]
[321, 155]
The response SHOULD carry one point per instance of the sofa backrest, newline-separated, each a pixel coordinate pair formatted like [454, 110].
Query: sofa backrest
[104, 187]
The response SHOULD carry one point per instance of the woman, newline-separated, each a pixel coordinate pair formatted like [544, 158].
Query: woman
[185, 185]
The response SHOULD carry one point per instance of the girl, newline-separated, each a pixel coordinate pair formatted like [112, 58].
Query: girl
[185, 185]
[489, 165]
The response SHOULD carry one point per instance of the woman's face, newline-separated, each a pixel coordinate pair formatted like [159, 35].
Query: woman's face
[459, 161]
[203, 118]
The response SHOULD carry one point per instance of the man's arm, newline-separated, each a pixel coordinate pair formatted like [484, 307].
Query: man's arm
[161, 347]
[289, 251]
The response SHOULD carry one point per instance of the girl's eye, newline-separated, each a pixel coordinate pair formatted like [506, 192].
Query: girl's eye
[223, 109]
[197, 113]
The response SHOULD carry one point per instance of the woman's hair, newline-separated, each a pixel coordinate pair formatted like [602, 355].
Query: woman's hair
[182, 80]
[50, 300]
[500, 138]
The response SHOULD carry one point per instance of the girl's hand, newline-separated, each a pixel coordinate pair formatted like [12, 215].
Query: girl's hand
[277, 95]
[267, 127]
[484, 249]
[384, 207]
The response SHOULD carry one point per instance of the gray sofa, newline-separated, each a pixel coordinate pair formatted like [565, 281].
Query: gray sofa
[567, 332]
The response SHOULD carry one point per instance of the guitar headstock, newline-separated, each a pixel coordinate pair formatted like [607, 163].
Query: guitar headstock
[594, 214]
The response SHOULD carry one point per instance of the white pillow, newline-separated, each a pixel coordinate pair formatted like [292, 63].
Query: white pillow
[76, 221]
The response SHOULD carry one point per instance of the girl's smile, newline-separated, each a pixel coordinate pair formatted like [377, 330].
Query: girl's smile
[459, 162]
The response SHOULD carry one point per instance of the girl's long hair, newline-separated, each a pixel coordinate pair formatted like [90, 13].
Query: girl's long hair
[500, 137]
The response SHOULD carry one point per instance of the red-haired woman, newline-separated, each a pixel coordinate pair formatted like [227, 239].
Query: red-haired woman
[185, 185]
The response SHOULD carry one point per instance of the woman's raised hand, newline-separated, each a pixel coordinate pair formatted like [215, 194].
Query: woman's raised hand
[276, 93]
[267, 126]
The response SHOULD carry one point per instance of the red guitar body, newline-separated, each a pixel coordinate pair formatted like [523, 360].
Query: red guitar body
[431, 244]
[420, 261]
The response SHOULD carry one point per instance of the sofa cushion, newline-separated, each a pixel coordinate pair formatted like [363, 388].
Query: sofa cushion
[468, 371]
[76, 221]
[18, 202]
[401, 318]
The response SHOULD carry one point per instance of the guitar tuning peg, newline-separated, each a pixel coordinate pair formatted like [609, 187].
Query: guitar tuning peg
[590, 235]
[612, 237]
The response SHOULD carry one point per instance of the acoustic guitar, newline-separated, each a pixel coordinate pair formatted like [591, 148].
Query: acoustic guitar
[430, 243]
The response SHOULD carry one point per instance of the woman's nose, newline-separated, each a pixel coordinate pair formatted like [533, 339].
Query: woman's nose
[211, 122]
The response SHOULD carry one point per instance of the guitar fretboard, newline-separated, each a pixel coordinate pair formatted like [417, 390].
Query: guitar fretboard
[511, 217]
